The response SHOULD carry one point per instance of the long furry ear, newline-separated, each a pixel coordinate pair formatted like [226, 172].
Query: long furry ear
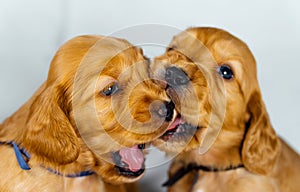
[261, 145]
[50, 135]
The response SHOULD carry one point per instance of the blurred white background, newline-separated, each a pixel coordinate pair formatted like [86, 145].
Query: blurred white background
[31, 31]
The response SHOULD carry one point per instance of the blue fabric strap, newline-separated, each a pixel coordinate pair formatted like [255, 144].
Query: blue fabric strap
[81, 174]
[20, 153]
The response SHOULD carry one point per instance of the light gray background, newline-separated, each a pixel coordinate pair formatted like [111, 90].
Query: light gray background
[31, 31]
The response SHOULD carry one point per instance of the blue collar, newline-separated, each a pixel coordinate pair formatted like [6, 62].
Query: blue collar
[81, 174]
[21, 154]
[194, 167]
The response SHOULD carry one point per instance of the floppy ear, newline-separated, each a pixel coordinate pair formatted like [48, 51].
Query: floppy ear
[50, 135]
[261, 145]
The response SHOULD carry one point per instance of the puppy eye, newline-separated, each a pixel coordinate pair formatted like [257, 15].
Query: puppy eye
[110, 89]
[225, 71]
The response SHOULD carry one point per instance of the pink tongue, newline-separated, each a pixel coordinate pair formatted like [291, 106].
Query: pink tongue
[176, 122]
[133, 157]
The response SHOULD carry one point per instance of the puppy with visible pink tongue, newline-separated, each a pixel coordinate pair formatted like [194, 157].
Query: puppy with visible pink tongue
[130, 161]
[133, 157]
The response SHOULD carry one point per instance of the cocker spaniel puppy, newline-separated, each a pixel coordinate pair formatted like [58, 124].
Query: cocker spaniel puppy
[86, 127]
[222, 127]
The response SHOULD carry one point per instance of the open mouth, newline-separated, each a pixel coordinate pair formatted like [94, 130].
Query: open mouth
[179, 130]
[130, 162]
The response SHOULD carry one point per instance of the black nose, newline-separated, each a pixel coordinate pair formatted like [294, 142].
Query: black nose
[167, 111]
[175, 77]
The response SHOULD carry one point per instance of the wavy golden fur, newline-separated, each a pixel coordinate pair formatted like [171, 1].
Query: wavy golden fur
[246, 137]
[68, 124]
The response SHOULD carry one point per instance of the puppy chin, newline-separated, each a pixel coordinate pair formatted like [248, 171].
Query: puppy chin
[110, 174]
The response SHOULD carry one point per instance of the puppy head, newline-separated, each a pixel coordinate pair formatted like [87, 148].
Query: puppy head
[221, 72]
[98, 92]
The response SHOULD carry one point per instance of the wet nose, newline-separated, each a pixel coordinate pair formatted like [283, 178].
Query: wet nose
[167, 111]
[176, 77]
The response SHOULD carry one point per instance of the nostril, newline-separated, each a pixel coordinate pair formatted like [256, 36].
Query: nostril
[166, 111]
[175, 76]
[181, 79]
[162, 111]
[169, 72]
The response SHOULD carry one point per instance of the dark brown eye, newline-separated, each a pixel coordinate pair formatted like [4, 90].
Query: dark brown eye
[110, 89]
[225, 71]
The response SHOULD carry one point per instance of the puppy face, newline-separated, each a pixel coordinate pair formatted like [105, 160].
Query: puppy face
[98, 93]
[221, 79]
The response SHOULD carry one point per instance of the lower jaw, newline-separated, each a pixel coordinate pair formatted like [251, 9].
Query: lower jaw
[129, 174]
[119, 179]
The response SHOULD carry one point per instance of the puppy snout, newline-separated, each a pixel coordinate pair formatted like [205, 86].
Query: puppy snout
[166, 111]
[176, 77]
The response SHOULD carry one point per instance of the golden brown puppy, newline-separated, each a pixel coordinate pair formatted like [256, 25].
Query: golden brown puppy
[85, 128]
[211, 73]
